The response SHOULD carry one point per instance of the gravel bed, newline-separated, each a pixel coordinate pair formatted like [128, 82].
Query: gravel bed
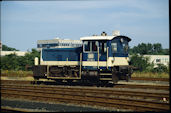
[49, 107]
[143, 82]
[110, 88]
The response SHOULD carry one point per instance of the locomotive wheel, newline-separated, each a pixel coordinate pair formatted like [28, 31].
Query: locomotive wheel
[128, 78]
[65, 72]
[104, 83]
[36, 78]
[69, 82]
[115, 78]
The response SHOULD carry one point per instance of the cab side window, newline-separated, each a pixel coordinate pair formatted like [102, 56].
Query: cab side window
[125, 47]
[114, 47]
[94, 45]
[103, 47]
[90, 46]
[86, 46]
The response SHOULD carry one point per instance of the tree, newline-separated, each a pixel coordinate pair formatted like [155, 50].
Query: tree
[14, 62]
[9, 62]
[29, 57]
[142, 49]
[165, 51]
[142, 63]
[6, 48]
[149, 49]
[157, 48]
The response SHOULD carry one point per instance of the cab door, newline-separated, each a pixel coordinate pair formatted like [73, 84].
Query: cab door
[103, 50]
[90, 54]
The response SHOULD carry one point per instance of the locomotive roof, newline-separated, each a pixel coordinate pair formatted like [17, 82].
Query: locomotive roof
[103, 37]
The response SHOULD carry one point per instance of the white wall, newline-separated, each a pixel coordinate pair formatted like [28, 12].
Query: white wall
[158, 59]
[18, 53]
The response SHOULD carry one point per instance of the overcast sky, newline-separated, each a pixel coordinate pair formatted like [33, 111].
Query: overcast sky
[25, 22]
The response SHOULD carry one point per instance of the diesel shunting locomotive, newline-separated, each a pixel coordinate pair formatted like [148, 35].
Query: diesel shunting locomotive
[101, 58]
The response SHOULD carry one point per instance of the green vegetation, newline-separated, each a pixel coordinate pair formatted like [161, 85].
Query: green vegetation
[13, 65]
[149, 49]
[140, 62]
[16, 63]
[150, 74]
[19, 73]
[6, 48]
[145, 68]
[143, 65]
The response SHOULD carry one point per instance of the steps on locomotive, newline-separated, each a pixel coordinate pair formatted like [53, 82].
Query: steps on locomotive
[105, 76]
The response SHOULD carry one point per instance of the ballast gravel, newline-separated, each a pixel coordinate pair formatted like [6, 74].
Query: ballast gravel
[47, 107]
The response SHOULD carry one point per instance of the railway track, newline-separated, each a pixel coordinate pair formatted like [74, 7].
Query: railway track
[135, 86]
[110, 98]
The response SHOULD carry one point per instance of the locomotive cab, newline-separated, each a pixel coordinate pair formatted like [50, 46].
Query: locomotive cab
[106, 58]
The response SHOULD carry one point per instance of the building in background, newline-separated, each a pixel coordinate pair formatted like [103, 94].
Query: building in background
[18, 53]
[58, 43]
[158, 59]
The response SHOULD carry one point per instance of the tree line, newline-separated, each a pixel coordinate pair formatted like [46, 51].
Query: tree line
[6, 48]
[14, 62]
[149, 49]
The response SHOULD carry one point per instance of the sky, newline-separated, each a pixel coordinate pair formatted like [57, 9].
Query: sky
[25, 22]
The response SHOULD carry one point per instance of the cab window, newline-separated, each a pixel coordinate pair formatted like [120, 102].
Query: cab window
[103, 47]
[114, 47]
[124, 44]
[125, 47]
[86, 46]
[94, 45]
[90, 46]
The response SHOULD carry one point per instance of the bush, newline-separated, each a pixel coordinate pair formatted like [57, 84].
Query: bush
[161, 68]
[140, 62]
[143, 65]
[14, 62]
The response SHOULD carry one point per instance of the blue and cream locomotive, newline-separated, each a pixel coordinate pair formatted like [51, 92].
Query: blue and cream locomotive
[100, 59]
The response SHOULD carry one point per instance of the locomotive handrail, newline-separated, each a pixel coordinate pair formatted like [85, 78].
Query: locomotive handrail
[107, 57]
[80, 63]
[98, 57]
[47, 71]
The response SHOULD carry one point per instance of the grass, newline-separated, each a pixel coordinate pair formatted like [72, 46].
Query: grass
[12, 73]
[150, 75]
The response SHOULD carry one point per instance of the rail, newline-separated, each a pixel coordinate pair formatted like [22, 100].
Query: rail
[106, 98]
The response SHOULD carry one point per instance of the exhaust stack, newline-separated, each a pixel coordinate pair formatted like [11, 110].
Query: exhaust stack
[103, 34]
